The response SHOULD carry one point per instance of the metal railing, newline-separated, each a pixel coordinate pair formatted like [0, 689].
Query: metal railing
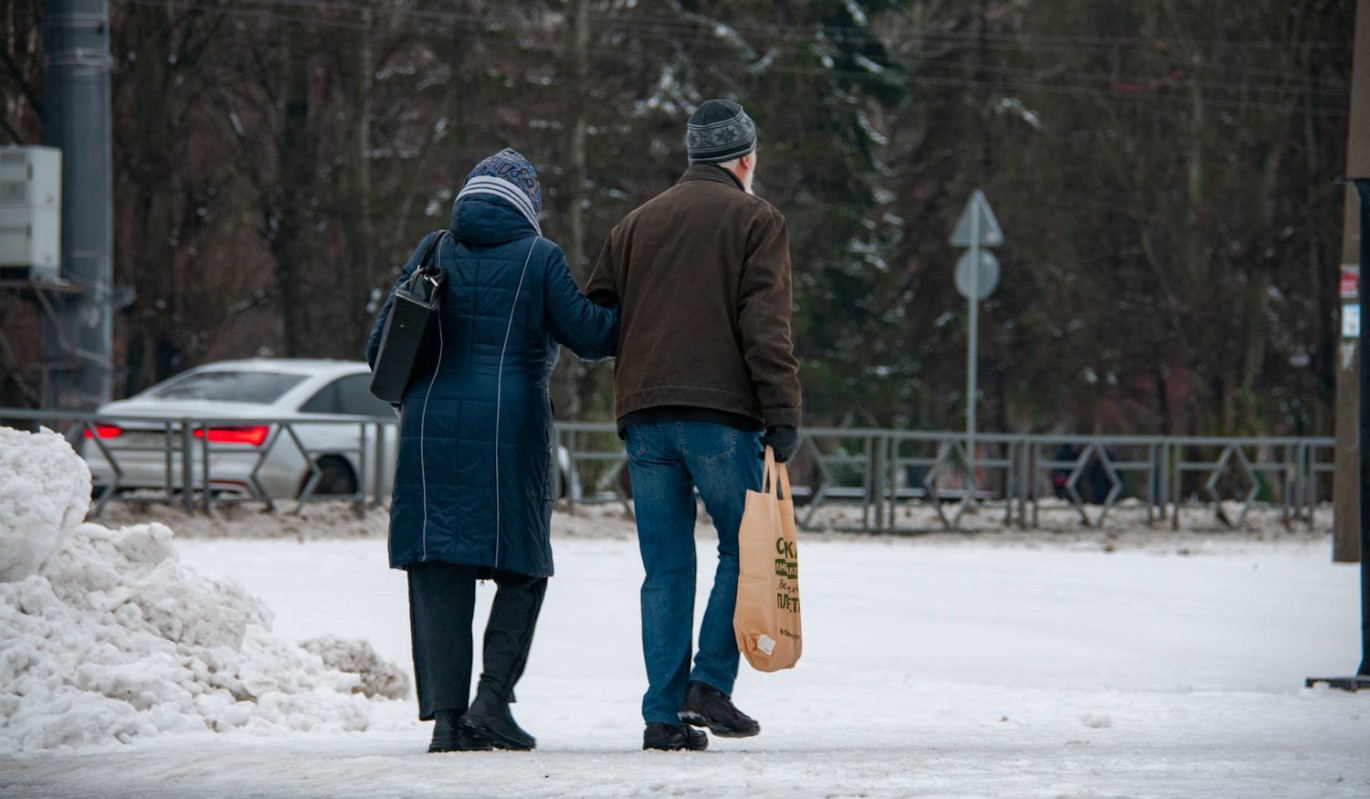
[873, 474]
[867, 478]
[195, 471]
[1091, 476]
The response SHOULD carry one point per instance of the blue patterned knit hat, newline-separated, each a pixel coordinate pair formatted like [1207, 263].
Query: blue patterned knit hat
[510, 165]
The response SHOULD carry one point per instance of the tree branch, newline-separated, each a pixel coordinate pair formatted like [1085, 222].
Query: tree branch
[25, 88]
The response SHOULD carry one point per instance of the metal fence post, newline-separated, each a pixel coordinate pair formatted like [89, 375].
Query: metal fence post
[878, 442]
[1152, 483]
[567, 477]
[169, 448]
[360, 499]
[1176, 472]
[187, 468]
[378, 478]
[204, 466]
[1310, 486]
[1028, 480]
[1293, 489]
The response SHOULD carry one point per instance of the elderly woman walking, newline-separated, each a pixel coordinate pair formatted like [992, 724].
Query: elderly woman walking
[473, 481]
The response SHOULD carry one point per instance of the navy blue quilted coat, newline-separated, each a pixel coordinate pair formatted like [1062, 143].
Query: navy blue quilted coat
[474, 479]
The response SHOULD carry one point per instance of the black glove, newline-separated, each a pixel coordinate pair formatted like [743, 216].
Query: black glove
[783, 438]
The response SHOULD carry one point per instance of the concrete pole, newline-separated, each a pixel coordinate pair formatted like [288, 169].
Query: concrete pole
[1362, 185]
[1346, 480]
[76, 102]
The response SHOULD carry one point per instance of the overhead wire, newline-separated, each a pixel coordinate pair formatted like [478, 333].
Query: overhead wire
[676, 22]
[690, 32]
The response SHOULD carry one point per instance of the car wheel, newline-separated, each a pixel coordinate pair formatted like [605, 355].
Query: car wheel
[335, 477]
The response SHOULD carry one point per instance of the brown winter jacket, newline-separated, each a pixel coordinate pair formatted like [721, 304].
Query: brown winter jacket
[701, 273]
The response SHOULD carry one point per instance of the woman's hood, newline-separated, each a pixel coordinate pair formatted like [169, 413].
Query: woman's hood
[486, 220]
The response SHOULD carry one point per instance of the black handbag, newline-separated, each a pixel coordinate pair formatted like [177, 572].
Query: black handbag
[410, 328]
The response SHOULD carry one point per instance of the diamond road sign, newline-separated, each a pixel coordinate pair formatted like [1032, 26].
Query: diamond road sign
[990, 234]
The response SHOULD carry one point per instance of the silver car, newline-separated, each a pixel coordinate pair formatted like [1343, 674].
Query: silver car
[270, 427]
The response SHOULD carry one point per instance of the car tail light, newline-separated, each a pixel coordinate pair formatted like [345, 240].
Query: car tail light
[104, 431]
[254, 435]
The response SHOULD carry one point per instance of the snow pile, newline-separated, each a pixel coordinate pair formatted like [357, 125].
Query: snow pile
[110, 638]
[44, 492]
[377, 677]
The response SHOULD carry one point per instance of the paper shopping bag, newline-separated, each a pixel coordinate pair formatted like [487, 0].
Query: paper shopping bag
[767, 617]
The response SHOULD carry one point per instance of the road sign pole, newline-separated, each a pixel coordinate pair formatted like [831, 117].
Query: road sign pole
[976, 271]
[971, 349]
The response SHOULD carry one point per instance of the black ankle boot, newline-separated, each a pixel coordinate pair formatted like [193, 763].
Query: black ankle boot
[489, 717]
[706, 706]
[451, 735]
[674, 738]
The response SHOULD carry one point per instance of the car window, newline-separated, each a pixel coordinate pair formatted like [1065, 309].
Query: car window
[324, 401]
[228, 386]
[349, 395]
[355, 398]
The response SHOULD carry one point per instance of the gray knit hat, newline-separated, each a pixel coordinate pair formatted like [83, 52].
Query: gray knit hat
[719, 130]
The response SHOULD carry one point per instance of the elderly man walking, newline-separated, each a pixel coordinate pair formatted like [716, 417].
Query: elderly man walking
[706, 376]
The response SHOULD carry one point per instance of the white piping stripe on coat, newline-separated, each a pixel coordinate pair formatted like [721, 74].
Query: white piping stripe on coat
[499, 187]
[499, 389]
[423, 423]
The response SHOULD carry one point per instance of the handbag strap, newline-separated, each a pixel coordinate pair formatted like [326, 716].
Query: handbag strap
[774, 476]
[428, 261]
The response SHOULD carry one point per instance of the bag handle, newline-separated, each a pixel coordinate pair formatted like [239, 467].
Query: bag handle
[772, 470]
[784, 471]
[428, 260]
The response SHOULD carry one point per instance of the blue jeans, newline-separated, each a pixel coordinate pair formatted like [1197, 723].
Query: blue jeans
[668, 461]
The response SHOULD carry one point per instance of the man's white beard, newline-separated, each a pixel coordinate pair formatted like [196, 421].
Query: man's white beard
[747, 183]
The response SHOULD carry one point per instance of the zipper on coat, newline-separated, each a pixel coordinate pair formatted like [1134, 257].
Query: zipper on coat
[499, 389]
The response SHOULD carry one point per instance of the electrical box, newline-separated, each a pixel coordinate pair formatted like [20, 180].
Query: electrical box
[31, 239]
[31, 213]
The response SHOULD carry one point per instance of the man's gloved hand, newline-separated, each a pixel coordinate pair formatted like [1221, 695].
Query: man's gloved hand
[784, 439]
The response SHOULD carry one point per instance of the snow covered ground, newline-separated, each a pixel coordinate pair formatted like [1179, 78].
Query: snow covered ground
[985, 666]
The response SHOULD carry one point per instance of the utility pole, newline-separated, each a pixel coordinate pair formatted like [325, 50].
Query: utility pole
[1356, 493]
[568, 377]
[294, 215]
[1346, 478]
[76, 70]
[357, 162]
[579, 46]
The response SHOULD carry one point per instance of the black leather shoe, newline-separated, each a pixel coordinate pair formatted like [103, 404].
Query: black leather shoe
[490, 718]
[673, 738]
[450, 735]
[706, 706]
